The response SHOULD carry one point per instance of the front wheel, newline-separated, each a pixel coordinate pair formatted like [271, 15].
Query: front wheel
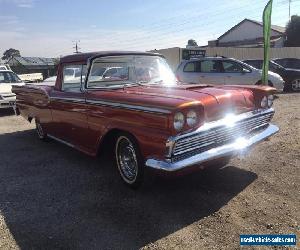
[296, 85]
[129, 160]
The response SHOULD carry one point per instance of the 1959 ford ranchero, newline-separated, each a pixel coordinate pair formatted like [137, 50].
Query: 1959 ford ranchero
[133, 100]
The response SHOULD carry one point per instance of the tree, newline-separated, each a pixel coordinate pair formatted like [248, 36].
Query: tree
[292, 32]
[10, 53]
[192, 42]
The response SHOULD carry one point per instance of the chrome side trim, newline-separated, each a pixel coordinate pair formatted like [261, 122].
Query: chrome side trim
[240, 146]
[128, 106]
[112, 104]
[68, 99]
[61, 141]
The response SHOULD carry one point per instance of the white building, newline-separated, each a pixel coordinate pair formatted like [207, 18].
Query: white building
[249, 33]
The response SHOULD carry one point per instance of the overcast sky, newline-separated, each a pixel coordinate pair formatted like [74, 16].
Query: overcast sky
[47, 28]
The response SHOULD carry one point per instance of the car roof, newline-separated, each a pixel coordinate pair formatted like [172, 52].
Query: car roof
[5, 70]
[210, 58]
[253, 60]
[258, 60]
[85, 56]
[286, 58]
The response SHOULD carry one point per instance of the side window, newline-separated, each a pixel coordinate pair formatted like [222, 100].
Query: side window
[189, 67]
[273, 67]
[13, 77]
[259, 64]
[108, 72]
[285, 63]
[192, 67]
[2, 77]
[73, 76]
[210, 66]
[232, 67]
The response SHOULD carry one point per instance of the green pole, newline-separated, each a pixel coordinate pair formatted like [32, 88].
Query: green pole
[267, 33]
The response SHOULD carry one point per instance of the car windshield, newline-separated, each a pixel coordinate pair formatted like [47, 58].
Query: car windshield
[9, 77]
[119, 71]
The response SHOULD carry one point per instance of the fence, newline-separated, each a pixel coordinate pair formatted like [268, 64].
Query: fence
[253, 53]
[174, 55]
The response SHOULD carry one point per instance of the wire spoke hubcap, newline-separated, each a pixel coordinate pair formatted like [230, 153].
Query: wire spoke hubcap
[126, 158]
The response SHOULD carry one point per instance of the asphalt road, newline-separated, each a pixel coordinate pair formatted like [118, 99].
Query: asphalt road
[54, 197]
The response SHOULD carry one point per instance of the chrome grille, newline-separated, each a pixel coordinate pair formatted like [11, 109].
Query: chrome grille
[218, 136]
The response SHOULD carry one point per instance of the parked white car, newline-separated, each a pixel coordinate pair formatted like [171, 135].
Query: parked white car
[33, 77]
[220, 70]
[5, 67]
[7, 79]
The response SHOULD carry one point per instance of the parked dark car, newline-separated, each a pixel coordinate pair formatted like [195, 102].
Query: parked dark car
[291, 77]
[292, 63]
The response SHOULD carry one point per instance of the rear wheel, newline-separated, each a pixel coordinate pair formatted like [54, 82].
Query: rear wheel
[39, 130]
[129, 160]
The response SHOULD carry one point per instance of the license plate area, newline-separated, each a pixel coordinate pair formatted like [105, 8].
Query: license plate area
[12, 103]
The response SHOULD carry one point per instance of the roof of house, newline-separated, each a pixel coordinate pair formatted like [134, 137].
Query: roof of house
[85, 56]
[36, 61]
[276, 28]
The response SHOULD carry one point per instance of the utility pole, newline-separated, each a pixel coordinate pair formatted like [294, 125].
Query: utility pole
[76, 47]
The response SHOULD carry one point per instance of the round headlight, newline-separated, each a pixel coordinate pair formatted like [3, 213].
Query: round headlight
[270, 100]
[264, 102]
[191, 118]
[178, 121]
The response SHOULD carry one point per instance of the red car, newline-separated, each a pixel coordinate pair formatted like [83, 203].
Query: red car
[151, 120]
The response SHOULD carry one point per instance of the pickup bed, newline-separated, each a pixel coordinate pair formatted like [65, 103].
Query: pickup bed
[148, 119]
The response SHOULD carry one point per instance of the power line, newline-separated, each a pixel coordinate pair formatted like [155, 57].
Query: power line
[203, 27]
[134, 41]
[157, 42]
[185, 21]
[168, 25]
[150, 34]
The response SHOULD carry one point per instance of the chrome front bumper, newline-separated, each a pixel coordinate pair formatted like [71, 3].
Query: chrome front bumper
[239, 146]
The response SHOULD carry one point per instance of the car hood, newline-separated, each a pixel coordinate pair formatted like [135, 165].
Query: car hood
[215, 100]
[271, 73]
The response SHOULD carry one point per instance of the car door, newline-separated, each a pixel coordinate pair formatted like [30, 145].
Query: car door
[211, 72]
[202, 71]
[189, 72]
[236, 73]
[69, 108]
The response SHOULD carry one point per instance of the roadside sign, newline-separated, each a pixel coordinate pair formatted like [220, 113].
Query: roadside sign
[192, 53]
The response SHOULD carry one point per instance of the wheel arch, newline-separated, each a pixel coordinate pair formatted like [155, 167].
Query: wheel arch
[106, 142]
